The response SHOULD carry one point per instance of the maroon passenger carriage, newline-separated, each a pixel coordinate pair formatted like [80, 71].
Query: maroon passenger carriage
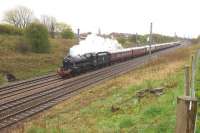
[128, 53]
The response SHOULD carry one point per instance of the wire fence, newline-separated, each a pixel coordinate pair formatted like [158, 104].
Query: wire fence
[194, 65]
[186, 115]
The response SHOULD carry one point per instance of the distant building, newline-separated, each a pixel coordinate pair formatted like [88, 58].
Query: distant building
[83, 36]
[116, 34]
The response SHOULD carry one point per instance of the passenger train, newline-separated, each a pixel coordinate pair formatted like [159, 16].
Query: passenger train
[90, 61]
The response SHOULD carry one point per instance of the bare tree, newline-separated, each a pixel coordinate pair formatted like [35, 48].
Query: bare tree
[50, 23]
[62, 26]
[20, 16]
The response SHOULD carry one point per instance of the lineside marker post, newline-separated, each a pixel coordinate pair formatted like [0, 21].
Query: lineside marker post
[186, 108]
[150, 39]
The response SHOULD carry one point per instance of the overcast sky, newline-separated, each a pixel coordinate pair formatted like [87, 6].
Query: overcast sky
[130, 16]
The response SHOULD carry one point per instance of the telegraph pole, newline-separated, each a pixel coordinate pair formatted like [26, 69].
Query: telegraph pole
[99, 32]
[175, 36]
[78, 35]
[136, 39]
[150, 39]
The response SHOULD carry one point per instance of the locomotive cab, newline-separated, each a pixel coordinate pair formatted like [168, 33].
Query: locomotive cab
[103, 59]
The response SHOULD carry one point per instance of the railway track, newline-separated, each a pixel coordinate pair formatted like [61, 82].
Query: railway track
[38, 80]
[24, 99]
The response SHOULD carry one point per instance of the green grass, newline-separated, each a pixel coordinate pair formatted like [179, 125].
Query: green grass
[153, 114]
[197, 87]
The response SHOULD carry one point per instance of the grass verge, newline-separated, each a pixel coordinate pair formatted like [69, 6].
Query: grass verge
[197, 88]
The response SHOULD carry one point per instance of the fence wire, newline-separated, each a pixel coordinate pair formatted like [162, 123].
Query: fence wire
[194, 64]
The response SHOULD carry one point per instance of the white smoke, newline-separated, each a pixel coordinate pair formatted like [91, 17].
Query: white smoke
[94, 44]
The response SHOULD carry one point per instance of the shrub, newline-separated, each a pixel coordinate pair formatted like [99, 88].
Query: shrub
[10, 30]
[67, 34]
[37, 36]
[121, 40]
[22, 46]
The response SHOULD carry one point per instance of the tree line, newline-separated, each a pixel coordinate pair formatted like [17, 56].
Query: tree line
[21, 21]
[20, 17]
[136, 39]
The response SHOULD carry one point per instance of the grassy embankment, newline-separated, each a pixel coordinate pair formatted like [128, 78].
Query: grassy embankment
[29, 65]
[91, 111]
[197, 87]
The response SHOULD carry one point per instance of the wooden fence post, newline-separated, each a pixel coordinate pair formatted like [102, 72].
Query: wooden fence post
[186, 114]
[186, 108]
[187, 80]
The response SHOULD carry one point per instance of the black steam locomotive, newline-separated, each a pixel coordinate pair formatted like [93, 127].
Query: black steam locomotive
[78, 64]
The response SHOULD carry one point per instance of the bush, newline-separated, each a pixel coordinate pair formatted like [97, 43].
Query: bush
[121, 40]
[10, 30]
[37, 36]
[22, 46]
[67, 34]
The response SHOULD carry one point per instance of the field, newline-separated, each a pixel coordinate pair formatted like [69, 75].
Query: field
[27, 65]
[114, 107]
